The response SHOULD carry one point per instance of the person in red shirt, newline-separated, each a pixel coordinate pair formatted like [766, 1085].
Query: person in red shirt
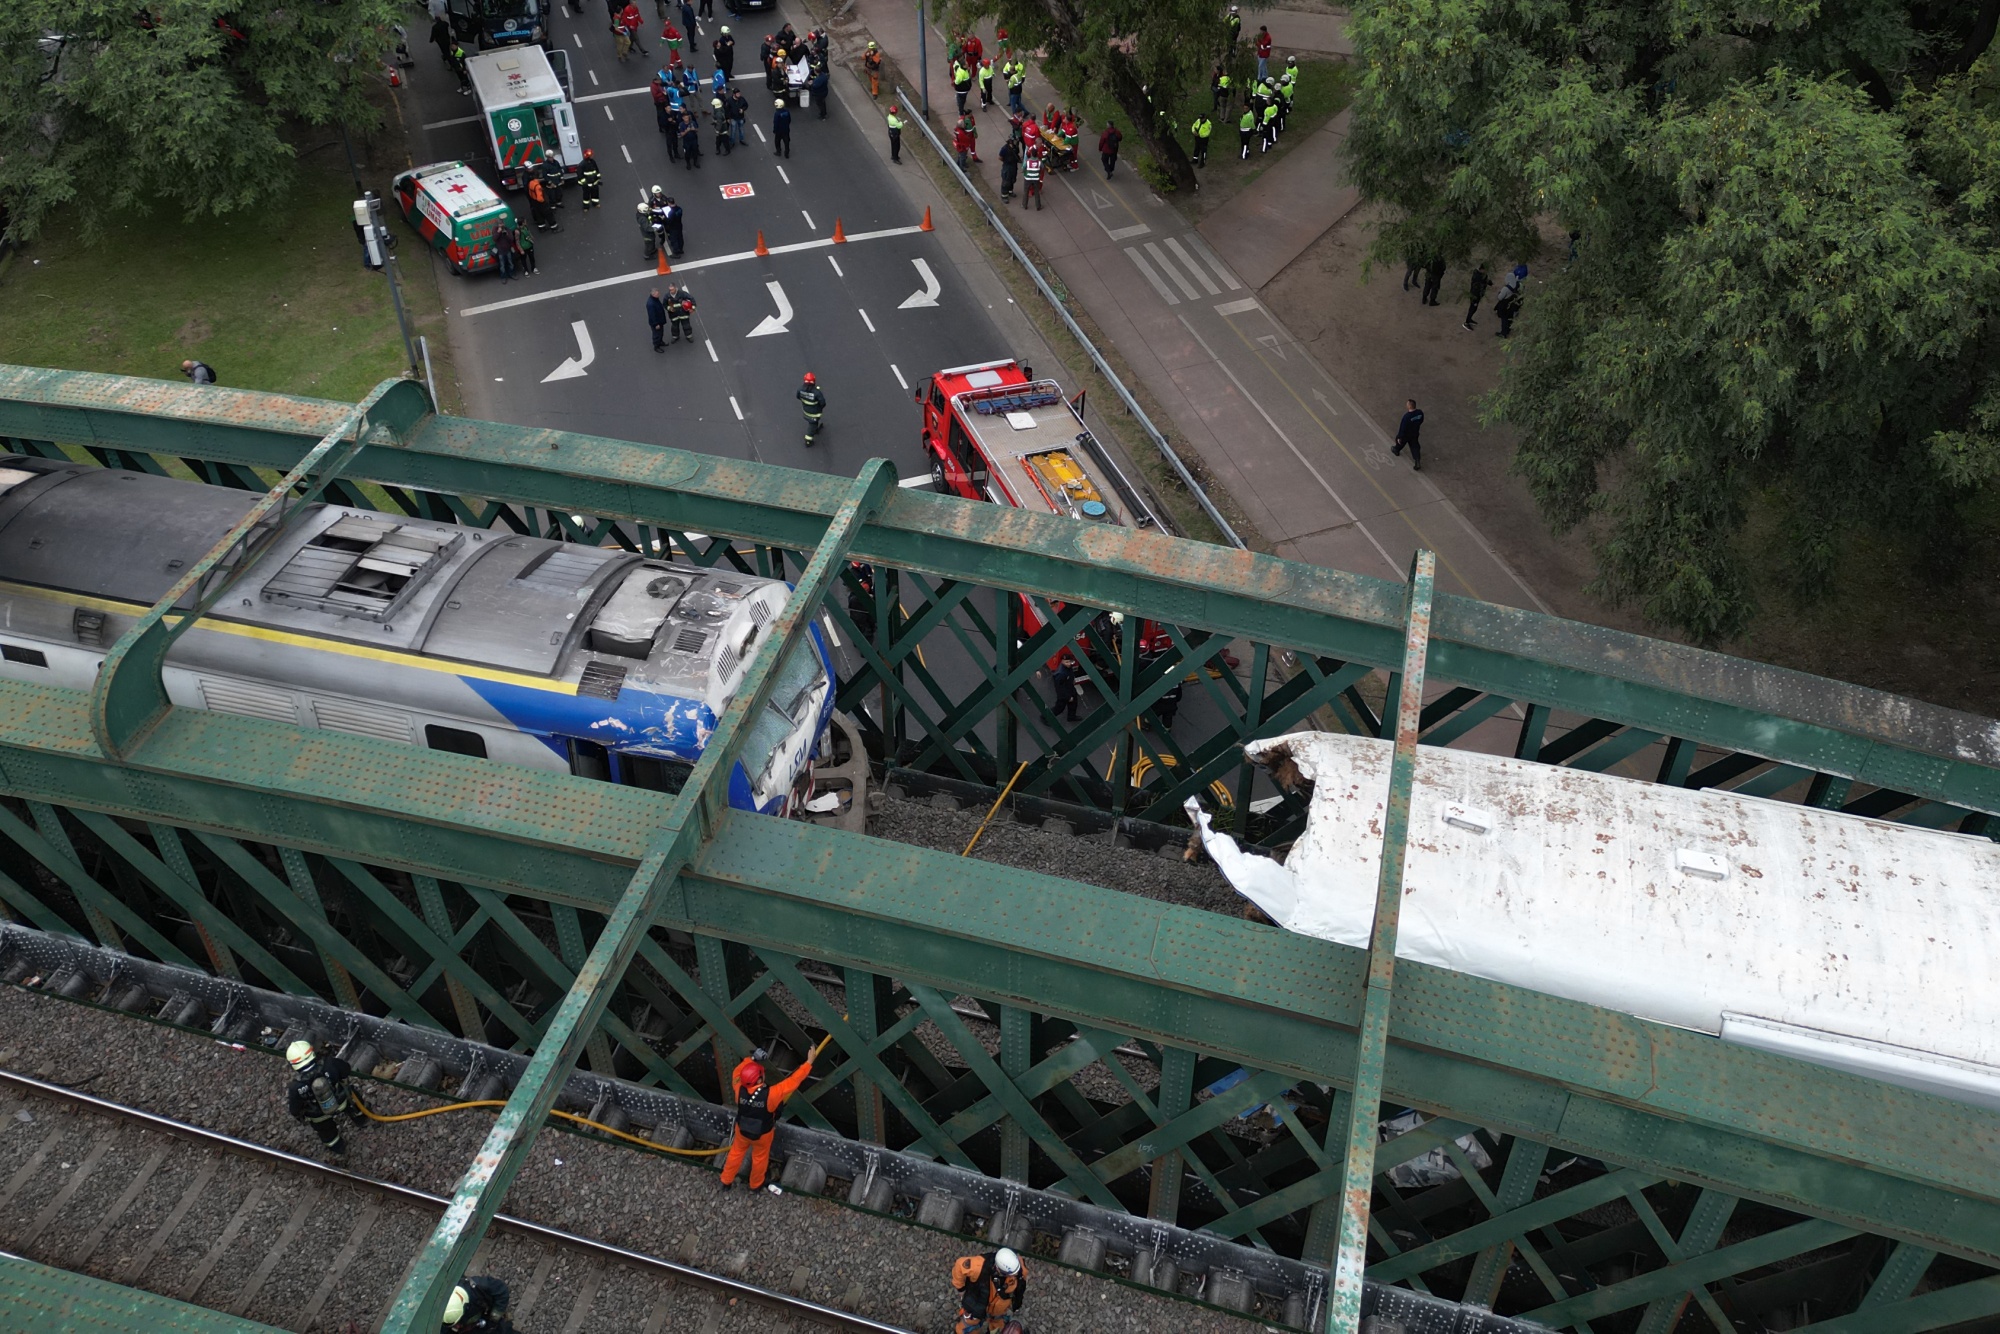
[1107, 148]
[757, 1106]
[1263, 53]
[630, 21]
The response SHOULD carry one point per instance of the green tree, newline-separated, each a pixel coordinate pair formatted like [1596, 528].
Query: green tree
[187, 103]
[1785, 290]
[1146, 54]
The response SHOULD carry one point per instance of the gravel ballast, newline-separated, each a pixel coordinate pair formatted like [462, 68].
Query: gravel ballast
[881, 1267]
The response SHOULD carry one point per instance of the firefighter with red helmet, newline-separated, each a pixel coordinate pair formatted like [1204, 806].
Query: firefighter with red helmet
[757, 1104]
[813, 399]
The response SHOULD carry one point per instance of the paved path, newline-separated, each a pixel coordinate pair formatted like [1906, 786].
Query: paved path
[1286, 437]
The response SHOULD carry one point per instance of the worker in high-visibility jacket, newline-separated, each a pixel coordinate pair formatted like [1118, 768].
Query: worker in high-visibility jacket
[757, 1104]
[991, 1289]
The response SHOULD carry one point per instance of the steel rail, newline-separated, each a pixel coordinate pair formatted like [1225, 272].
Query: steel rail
[410, 1194]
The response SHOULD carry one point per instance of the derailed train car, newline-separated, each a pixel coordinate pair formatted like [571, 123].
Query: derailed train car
[522, 650]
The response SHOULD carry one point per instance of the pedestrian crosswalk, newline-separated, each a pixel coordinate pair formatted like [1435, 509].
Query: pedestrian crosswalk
[1175, 260]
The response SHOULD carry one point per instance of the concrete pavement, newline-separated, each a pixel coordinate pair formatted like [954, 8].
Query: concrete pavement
[1290, 442]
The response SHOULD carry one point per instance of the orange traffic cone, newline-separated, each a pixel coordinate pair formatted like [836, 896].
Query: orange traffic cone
[839, 233]
[762, 249]
[927, 220]
[663, 262]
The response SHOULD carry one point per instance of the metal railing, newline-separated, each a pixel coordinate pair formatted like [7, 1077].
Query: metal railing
[1090, 349]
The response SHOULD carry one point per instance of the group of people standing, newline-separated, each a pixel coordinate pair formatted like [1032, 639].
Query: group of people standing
[1267, 105]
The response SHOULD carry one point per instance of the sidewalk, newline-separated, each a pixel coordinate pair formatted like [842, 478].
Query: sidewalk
[1297, 452]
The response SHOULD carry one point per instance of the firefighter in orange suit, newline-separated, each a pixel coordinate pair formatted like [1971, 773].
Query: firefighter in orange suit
[757, 1106]
[991, 1289]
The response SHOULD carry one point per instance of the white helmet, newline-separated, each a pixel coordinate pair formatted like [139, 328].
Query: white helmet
[725, 30]
[300, 1054]
[454, 1307]
[1006, 1261]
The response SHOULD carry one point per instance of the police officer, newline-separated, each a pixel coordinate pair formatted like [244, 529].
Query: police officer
[991, 1288]
[895, 135]
[1235, 26]
[1270, 125]
[680, 309]
[1407, 433]
[456, 59]
[477, 1305]
[1244, 129]
[1285, 94]
[757, 1102]
[318, 1094]
[813, 399]
[781, 128]
[656, 319]
[1203, 127]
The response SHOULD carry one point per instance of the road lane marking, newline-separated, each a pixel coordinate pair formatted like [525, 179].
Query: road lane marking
[783, 177]
[836, 266]
[1127, 233]
[778, 323]
[810, 225]
[446, 124]
[627, 152]
[577, 39]
[760, 133]
[864, 317]
[912, 483]
[899, 377]
[931, 289]
[710, 344]
[617, 92]
[578, 365]
[1269, 421]
[650, 274]
[1167, 267]
[1146, 269]
[593, 77]
[1221, 270]
[737, 408]
[607, 112]
[1174, 245]
[1243, 307]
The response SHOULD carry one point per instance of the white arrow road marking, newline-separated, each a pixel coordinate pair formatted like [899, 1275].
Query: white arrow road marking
[575, 366]
[1327, 402]
[927, 297]
[780, 322]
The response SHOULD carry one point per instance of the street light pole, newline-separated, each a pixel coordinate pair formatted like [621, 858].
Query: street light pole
[924, 56]
[395, 281]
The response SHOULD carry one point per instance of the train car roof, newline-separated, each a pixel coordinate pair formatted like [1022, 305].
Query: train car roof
[123, 535]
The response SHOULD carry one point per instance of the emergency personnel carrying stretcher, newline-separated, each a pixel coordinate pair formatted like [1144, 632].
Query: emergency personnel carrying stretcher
[757, 1104]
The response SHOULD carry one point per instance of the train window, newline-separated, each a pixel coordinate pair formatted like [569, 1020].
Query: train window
[27, 657]
[587, 759]
[655, 775]
[456, 740]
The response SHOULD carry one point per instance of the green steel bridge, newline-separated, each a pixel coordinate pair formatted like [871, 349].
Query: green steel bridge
[1713, 1184]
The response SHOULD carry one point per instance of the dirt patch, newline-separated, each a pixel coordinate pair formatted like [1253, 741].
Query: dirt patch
[193, 333]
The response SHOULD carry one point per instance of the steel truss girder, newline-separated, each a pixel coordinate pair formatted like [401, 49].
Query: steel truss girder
[1670, 689]
[1671, 1103]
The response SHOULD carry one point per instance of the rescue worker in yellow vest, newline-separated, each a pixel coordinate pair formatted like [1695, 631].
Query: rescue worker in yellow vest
[757, 1102]
[318, 1094]
[1203, 127]
[961, 82]
[895, 136]
[991, 1288]
[1270, 126]
[872, 62]
[589, 177]
[1017, 79]
[985, 83]
[478, 1305]
[1244, 129]
[1285, 95]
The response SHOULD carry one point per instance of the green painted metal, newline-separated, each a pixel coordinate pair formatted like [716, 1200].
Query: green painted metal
[1701, 1234]
[1176, 1095]
[1900, 1275]
[1933, 1310]
[1016, 1036]
[1517, 1186]
[691, 821]
[40, 1297]
[1673, 690]
[1690, 1273]
[129, 695]
[1357, 1187]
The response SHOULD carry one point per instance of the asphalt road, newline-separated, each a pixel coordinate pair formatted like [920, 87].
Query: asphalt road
[733, 392]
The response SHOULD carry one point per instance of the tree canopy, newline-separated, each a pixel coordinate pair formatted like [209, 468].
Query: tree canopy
[1784, 295]
[113, 107]
[1145, 54]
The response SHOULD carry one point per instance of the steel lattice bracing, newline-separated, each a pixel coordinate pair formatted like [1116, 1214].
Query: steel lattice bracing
[1721, 1179]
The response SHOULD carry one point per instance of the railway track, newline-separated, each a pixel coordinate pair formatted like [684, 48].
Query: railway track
[145, 1201]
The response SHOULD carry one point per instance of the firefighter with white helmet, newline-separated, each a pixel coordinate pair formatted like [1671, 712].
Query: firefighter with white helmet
[991, 1289]
[477, 1304]
[318, 1094]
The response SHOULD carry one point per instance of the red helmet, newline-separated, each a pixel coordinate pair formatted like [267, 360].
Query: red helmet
[810, 378]
[753, 1073]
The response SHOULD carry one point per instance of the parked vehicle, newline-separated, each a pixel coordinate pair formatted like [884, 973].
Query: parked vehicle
[499, 22]
[524, 111]
[455, 211]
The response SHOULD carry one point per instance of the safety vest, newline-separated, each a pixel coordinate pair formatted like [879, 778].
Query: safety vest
[985, 76]
[1018, 75]
[960, 76]
[1032, 167]
[754, 1118]
[895, 123]
[1223, 83]
[1271, 114]
[588, 175]
[1248, 123]
[535, 189]
[1203, 127]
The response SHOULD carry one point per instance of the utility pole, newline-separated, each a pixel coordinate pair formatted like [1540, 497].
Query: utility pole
[924, 56]
[377, 253]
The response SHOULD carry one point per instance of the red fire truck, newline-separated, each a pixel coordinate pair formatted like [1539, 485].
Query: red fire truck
[993, 432]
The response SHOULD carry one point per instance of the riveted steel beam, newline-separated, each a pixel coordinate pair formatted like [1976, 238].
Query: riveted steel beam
[1357, 1186]
[1827, 727]
[692, 820]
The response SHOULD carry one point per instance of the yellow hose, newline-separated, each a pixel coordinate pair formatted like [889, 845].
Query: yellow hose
[374, 1115]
